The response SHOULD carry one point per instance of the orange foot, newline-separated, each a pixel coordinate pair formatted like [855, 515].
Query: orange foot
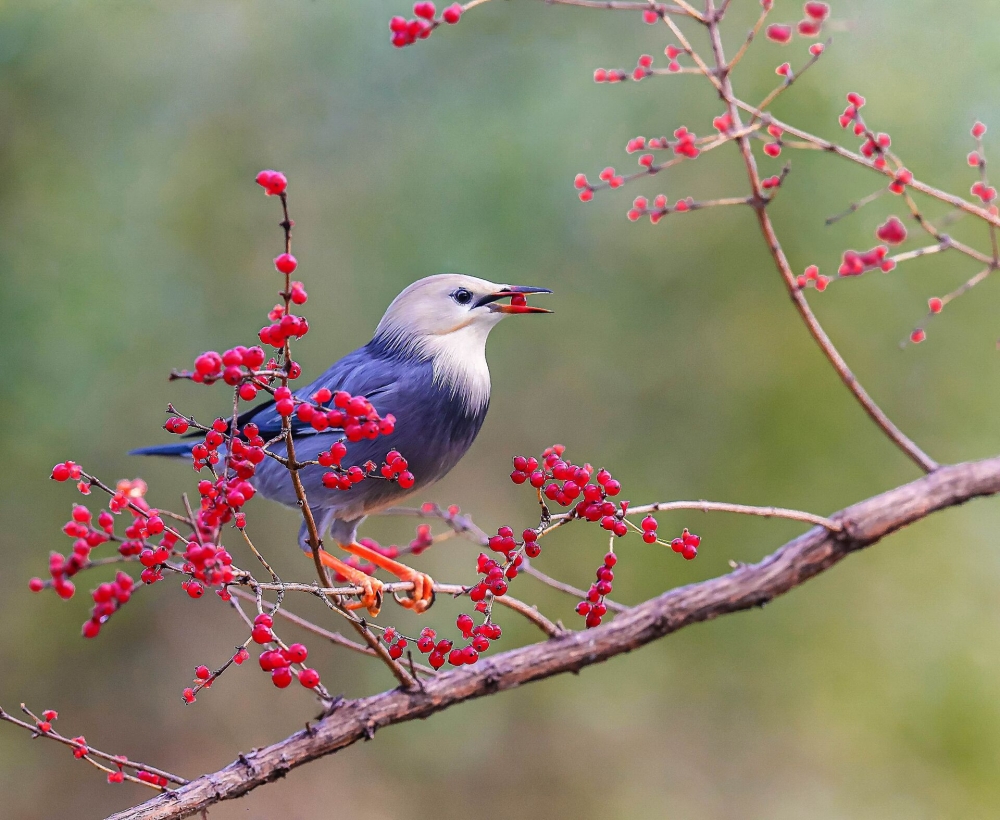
[422, 596]
[371, 596]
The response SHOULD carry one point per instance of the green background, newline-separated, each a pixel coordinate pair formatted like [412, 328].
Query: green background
[132, 237]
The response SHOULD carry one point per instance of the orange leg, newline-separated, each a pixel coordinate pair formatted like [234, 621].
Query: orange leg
[371, 598]
[423, 585]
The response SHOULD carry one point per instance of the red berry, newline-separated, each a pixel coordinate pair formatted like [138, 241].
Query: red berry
[818, 11]
[779, 33]
[309, 678]
[452, 14]
[424, 9]
[296, 653]
[891, 231]
[281, 677]
[286, 263]
[202, 673]
[273, 182]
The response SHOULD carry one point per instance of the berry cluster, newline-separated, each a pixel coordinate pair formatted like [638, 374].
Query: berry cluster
[855, 263]
[811, 24]
[773, 149]
[594, 608]
[108, 597]
[687, 544]
[407, 32]
[811, 275]
[283, 662]
[440, 651]
[641, 207]
[274, 183]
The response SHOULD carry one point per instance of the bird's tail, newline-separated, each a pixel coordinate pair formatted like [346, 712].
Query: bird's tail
[177, 450]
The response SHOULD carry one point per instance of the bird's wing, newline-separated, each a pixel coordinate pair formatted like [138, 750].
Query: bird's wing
[359, 373]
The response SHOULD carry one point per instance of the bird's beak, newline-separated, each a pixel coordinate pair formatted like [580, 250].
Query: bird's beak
[517, 302]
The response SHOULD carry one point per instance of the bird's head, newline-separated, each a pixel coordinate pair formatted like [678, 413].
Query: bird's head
[447, 318]
[452, 304]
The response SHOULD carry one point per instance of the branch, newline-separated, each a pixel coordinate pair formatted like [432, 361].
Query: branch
[925, 462]
[746, 587]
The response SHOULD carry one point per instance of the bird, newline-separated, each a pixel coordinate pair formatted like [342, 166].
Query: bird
[425, 365]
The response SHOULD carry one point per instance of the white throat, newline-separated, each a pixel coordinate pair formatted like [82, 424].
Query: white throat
[459, 360]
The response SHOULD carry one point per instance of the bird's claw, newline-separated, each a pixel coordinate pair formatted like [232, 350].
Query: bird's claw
[421, 598]
[371, 595]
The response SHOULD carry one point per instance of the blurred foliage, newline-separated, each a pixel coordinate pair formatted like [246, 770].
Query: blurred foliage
[132, 237]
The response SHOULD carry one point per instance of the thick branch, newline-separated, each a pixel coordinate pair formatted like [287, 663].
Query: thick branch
[746, 587]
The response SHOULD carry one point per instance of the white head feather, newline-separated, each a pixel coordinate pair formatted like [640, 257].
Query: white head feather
[437, 317]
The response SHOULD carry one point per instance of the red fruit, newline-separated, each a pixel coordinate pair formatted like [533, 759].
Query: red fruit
[202, 673]
[296, 653]
[918, 336]
[689, 551]
[309, 678]
[436, 660]
[273, 182]
[452, 14]
[892, 231]
[465, 624]
[36, 585]
[424, 9]
[456, 657]
[934, 303]
[188, 695]
[60, 472]
[406, 479]
[772, 149]
[286, 263]
[818, 11]
[261, 634]
[650, 16]
[809, 28]
[978, 130]
[779, 33]
[281, 677]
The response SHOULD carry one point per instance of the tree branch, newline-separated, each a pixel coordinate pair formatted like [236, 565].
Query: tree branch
[746, 587]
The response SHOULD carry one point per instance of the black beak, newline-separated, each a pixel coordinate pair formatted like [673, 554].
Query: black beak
[513, 291]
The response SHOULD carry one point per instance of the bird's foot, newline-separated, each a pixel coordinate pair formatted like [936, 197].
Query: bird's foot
[371, 595]
[422, 596]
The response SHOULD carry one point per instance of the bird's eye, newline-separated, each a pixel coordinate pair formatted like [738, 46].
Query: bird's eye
[462, 296]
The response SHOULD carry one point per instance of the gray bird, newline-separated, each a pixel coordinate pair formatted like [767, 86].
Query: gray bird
[426, 365]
